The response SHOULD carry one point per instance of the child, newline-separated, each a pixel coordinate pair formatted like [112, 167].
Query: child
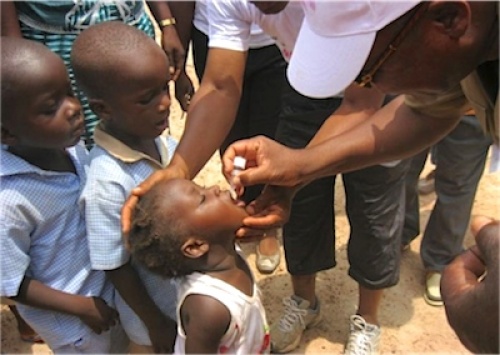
[45, 260]
[183, 230]
[125, 75]
[57, 24]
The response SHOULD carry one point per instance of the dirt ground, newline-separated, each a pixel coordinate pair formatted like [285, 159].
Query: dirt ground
[409, 325]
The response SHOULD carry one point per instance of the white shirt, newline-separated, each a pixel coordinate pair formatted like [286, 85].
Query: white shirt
[231, 23]
[43, 236]
[115, 169]
[258, 38]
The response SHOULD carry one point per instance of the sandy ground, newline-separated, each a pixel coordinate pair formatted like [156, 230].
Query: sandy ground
[409, 325]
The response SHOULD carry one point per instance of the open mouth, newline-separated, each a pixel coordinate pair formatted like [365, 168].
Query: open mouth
[235, 200]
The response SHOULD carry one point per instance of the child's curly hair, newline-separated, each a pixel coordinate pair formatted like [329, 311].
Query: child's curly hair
[156, 235]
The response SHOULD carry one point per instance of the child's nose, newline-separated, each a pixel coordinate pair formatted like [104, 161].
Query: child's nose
[164, 102]
[74, 108]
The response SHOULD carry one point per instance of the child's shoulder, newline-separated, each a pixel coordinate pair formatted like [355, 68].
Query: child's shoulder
[106, 163]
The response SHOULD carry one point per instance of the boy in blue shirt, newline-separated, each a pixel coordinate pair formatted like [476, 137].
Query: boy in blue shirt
[45, 263]
[125, 75]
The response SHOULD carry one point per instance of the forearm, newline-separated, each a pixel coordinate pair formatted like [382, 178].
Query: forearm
[357, 106]
[10, 22]
[212, 111]
[133, 292]
[183, 12]
[394, 132]
[36, 294]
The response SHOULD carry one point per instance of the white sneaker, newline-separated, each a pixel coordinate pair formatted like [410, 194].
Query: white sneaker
[297, 316]
[364, 338]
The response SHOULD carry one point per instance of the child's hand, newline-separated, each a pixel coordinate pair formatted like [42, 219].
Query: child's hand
[99, 317]
[162, 334]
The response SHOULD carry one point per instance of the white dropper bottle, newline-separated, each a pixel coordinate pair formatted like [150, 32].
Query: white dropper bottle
[239, 164]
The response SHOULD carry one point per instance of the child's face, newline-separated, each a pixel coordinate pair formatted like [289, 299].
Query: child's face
[208, 210]
[47, 115]
[141, 106]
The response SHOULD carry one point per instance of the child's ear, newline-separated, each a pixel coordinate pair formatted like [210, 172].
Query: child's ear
[8, 137]
[194, 247]
[100, 108]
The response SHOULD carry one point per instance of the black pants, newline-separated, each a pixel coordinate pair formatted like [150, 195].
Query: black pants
[374, 206]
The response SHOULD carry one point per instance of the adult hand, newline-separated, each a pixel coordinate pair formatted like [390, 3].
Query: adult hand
[99, 316]
[171, 172]
[267, 162]
[270, 210]
[174, 49]
[469, 287]
[184, 90]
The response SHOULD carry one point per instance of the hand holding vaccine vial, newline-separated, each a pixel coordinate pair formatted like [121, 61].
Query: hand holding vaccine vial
[239, 165]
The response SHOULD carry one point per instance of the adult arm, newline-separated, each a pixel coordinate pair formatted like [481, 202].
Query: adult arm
[175, 48]
[10, 22]
[471, 300]
[205, 320]
[93, 311]
[161, 329]
[394, 132]
[210, 117]
[175, 39]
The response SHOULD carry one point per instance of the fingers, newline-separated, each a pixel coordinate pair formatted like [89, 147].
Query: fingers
[126, 215]
[176, 56]
[185, 102]
[246, 148]
[174, 73]
[478, 222]
[261, 222]
[487, 239]
[129, 206]
[179, 58]
[462, 274]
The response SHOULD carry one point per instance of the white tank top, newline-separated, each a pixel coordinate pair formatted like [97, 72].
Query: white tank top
[248, 332]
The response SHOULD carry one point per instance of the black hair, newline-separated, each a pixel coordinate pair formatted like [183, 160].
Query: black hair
[19, 57]
[157, 235]
[99, 52]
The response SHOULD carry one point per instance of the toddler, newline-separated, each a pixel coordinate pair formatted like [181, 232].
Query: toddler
[185, 231]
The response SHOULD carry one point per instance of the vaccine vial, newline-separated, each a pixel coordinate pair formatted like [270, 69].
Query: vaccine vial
[239, 164]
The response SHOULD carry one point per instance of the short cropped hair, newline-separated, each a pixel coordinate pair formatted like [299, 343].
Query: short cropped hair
[99, 50]
[156, 236]
[19, 57]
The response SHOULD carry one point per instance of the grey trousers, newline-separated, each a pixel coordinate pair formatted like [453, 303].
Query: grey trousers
[460, 159]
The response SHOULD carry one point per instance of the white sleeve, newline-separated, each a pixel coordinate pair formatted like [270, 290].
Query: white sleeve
[229, 24]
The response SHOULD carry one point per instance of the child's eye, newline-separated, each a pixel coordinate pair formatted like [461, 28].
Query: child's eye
[50, 108]
[203, 197]
[146, 100]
